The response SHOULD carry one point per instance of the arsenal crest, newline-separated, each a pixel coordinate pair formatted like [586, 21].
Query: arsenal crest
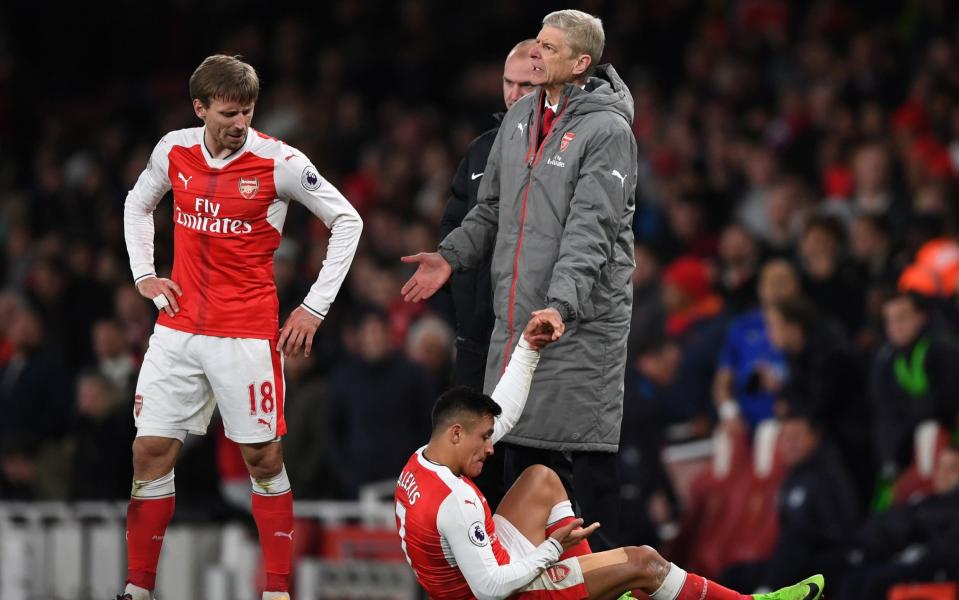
[248, 187]
[137, 404]
[557, 573]
[568, 137]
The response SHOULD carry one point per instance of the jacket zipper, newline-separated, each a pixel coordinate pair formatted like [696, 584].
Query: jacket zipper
[533, 156]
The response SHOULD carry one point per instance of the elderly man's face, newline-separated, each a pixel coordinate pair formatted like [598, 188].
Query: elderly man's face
[553, 60]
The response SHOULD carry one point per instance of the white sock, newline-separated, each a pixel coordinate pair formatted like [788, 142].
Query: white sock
[672, 585]
[560, 511]
[137, 592]
[276, 596]
[272, 486]
[161, 487]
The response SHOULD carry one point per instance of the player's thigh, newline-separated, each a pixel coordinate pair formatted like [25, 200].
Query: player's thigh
[173, 395]
[530, 499]
[247, 379]
[561, 581]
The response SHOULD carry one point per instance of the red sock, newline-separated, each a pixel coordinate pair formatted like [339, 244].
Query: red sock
[274, 521]
[146, 525]
[699, 588]
[580, 549]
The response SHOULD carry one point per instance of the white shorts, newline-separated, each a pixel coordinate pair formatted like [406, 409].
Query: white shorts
[562, 581]
[184, 375]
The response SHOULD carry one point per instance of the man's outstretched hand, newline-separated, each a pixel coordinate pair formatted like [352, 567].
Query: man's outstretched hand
[544, 328]
[432, 273]
[573, 533]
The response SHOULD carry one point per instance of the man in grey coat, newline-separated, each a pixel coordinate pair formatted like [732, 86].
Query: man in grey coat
[556, 205]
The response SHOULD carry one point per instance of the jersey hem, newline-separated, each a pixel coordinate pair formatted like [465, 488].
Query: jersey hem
[251, 335]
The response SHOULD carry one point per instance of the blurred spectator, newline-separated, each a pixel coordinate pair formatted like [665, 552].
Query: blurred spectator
[35, 402]
[34, 386]
[429, 345]
[914, 379]
[687, 295]
[648, 407]
[739, 256]
[101, 436]
[914, 542]
[872, 249]
[824, 381]
[649, 315]
[751, 369]
[761, 170]
[380, 403]
[818, 507]
[114, 360]
[828, 280]
[694, 319]
[310, 440]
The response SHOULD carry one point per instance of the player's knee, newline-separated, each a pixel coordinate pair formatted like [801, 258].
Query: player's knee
[544, 480]
[153, 456]
[647, 564]
[264, 461]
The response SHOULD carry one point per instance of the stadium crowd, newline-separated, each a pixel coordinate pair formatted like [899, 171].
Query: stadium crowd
[795, 226]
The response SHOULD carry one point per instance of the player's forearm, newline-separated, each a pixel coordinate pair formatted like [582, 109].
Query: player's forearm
[513, 387]
[502, 581]
[344, 239]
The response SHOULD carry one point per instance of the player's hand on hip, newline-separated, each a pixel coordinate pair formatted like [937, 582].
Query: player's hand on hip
[540, 330]
[163, 292]
[298, 332]
[433, 271]
[573, 533]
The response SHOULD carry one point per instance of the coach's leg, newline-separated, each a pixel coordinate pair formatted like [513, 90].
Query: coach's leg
[537, 505]
[152, 501]
[273, 513]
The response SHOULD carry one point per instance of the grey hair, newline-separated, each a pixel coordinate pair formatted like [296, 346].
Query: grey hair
[584, 32]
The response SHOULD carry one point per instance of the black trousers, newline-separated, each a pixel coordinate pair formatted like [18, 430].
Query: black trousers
[591, 480]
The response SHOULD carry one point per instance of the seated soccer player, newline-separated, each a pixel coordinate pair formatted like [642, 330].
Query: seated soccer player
[533, 547]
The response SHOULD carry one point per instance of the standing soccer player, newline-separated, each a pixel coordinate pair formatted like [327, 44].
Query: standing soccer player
[217, 339]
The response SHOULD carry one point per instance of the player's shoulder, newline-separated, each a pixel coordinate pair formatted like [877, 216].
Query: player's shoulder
[267, 146]
[188, 137]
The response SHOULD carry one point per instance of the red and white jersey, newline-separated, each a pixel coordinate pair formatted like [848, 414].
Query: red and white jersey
[445, 525]
[228, 217]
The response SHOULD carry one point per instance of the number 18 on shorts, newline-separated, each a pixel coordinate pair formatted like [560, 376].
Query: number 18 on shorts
[184, 375]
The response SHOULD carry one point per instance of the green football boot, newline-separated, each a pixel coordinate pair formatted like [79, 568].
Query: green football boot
[807, 589]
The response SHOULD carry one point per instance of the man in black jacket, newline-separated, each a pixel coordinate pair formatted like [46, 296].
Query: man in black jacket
[471, 289]
[918, 541]
[914, 379]
[825, 382]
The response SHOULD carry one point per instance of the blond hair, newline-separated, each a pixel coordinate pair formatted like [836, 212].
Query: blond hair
[227, 78]
[584, 32]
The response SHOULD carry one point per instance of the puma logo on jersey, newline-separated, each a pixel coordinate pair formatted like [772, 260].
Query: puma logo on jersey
[185, 180]
[284, 534]
[470, 502]
[269, 424]
[522, 127]
[620, 176]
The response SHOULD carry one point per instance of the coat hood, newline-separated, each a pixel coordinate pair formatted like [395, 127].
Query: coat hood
[605, 90]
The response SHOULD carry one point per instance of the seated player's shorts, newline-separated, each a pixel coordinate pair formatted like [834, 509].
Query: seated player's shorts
[562, 581]
[184, 375]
